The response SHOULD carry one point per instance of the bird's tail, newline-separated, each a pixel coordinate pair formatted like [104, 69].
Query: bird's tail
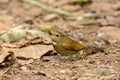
[94, 50]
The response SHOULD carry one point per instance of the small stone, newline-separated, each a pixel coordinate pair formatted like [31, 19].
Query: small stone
[62, 71]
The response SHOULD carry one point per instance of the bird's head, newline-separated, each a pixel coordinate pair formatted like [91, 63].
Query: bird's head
[56, 36]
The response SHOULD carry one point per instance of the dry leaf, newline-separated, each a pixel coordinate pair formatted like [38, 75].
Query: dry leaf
[3, 56]
[35, 51]
[4, 53]
[111, 34]
[34, 33]
[20, 32]
[14, 34]
[6, 57]
[25, 55]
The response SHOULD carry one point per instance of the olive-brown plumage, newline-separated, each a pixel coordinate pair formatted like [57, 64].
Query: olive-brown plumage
[65, 45]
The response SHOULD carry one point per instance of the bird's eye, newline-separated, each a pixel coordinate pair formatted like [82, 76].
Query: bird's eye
[57, 35]
[50, 33]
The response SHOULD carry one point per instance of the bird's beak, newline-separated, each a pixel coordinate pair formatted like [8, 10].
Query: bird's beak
[49, 33]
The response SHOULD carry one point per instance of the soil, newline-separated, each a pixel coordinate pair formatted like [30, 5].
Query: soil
[103, 65]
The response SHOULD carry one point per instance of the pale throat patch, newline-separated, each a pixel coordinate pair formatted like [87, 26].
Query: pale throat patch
[54, 43]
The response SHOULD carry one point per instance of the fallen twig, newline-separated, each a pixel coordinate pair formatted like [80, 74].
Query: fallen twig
[66, 13]
[58, 11]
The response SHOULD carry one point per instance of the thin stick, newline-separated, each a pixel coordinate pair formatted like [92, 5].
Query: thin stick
[66, 13]
[58, 11]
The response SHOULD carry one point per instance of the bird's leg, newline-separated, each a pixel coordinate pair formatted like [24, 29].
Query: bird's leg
[67, 58]
[70, 57]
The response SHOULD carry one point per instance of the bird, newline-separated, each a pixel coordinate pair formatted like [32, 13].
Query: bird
[64, 45]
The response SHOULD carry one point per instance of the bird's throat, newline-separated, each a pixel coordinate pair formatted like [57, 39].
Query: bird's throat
[54, 43]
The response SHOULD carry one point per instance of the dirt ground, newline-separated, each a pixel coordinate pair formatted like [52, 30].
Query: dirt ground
[101, 31]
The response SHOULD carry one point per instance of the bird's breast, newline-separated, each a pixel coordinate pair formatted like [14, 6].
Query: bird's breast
[54, 43]
[61, 50]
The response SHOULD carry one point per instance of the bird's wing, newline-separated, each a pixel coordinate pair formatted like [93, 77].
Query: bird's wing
[78, 46]
[72, 45]
[66, 45]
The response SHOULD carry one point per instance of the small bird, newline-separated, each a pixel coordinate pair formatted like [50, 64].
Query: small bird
[65, 45]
